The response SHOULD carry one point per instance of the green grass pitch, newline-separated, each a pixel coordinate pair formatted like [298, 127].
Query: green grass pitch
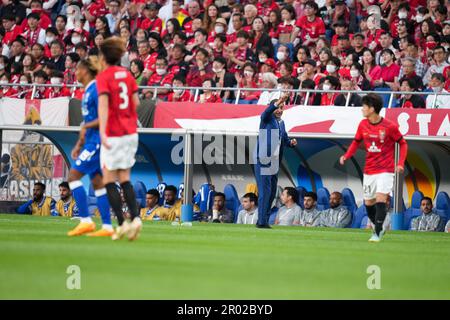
[212, 261]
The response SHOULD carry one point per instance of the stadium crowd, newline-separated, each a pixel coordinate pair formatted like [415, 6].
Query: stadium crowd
[288, 209]
[394, 45]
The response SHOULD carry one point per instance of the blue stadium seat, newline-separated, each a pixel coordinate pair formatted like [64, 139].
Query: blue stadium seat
[386, 96]
[349, 201]
[412, 211]
[161, 187]
[443, 206]
[205, 197]
[140, 190]
[323, 199]
[92, 200]
[359, 216]
[301, 195]
[232, 201]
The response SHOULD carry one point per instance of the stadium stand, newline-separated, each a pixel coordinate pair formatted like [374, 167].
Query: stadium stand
[301, 195]
[350, 203]
[140, 190]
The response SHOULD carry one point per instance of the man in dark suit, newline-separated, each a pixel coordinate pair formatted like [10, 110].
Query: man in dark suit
[272, 139]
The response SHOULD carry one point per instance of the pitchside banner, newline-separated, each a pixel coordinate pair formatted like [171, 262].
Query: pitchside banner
[307, 119]
[28, 157]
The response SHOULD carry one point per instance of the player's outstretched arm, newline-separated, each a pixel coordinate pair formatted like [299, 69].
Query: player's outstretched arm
[350, 152]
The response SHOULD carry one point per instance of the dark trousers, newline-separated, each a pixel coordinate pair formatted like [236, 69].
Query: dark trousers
[267, 189]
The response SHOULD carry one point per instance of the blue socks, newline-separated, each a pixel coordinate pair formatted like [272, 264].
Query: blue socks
[103, 206]
[80, 197]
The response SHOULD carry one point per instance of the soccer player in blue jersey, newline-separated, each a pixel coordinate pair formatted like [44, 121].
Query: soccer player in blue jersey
[86, 154]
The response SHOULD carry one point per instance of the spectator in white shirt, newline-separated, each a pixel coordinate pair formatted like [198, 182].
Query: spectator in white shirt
[249, 213]
[289, 214]
[438, 101]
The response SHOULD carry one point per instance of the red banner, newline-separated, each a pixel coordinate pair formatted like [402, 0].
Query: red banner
[309, 119]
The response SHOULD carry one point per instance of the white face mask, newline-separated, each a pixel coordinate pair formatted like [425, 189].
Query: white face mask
[76, 40]
[86, 2]
[177, 91]
[262, 60]
[419, 18]
[49, 40]
[217, 70]
[55, 80]
[326, 87]
[23, 82]
[436, 89]
[402, 14]
[331, 68]
[219, 29]
[354, 73]
[281, 56]
[2, 66]
[248, 73]
[160, 72]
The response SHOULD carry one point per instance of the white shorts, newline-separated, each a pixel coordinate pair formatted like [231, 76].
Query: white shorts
[122, 153]
[377, 183]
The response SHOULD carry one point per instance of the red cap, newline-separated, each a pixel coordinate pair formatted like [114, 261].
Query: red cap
[271, 63]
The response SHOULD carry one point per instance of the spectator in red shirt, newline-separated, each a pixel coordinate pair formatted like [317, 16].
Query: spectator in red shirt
[201, 70]
[219, 45]
[371, 70]
[208, 95]
[193, 12]
[373, 34]
[265, 7]
[40, 77]
[273, 24]
[151, 22]
[237, 22]
[329, 83]
[285, 30]
[24, 92]
[179, 95]
[248, 79]
[250, 13]
[44, 22]
[309, 27]
[238, 55]
[60, 26]
[57, 78]
[160, 78]
[71, 62]
[6, 91]
[34, 33]
[12, 30]
[389, 71]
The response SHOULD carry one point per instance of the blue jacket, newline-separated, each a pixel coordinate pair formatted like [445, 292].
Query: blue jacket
[268, 123]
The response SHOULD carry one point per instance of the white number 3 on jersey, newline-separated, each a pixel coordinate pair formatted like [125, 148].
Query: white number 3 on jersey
[124, 96]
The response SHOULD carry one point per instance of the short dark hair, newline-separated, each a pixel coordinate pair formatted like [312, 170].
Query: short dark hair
[286, 79]
[251, 196]
[221, 60]
[40, 184]
[112, 49]
[428, 199]
[220, 194]
[373, 100]
[291, 191]
[171, 188]
[179, 77]
[64, 184]
[438, 76]
[75, 57]
[242, 34]
[41, 74]
[311, 194]
[153, 192]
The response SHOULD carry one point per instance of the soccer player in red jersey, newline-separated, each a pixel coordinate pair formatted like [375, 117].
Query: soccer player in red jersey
[117, 103]
[379, 136]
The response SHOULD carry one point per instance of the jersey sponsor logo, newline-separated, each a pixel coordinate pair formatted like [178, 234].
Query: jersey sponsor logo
[382, 135]
[373, 148]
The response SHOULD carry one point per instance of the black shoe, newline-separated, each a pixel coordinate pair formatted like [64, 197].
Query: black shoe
[263, 226]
